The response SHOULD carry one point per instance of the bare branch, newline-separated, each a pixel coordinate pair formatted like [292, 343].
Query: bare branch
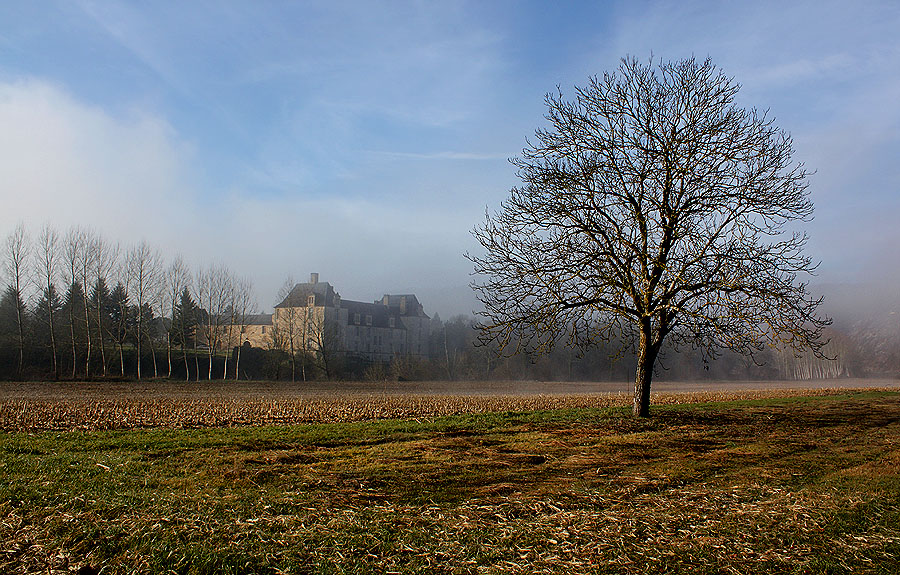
[651, 205]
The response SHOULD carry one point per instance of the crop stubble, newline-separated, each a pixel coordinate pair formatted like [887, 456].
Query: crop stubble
[99, 406]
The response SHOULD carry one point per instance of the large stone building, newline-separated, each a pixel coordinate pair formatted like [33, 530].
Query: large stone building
[255, 330]
[314, 318]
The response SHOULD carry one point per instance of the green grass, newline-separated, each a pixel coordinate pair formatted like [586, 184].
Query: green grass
[788, 485]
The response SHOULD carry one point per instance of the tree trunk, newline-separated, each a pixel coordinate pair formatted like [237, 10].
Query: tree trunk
[169, 352]
[227, 345]
[74, 344]
[52, 336]
[187, 371]
[100, 331]
[140, 329]
[446, 356]
[293, 359]
[19, 320]
[87, 335]
[153, 355]
[647, 352]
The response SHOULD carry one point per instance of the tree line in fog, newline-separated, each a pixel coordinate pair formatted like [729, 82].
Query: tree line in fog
[78, 306]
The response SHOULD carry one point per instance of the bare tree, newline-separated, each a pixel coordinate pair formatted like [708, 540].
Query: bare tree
[228, 322]
[143, 266]
[243, 307]
[18, 250]
[48, 260]
[177, 278]
[75, 239]
[322, 342]
[213, 292]
[156, 296]
[104, 260]
[85, 259]
[654, 207]
[286, 324]
[121, 324]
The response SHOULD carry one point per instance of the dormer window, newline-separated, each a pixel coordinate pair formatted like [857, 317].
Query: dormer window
[368, 320]
[392, 322]
[356, 318]
[311, 301]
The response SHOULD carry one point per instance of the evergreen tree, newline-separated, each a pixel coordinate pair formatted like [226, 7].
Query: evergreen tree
[73, 311]
[100, 309]
[149, 332]
[14, 324]
[10, 304]
[184, 325]
[121, 320]
[45, 331]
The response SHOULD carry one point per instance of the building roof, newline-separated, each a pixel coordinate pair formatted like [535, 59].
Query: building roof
[390, 305]
[299, 295]
[408, 304]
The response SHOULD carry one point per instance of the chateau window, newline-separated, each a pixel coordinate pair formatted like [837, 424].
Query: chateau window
[368, 320]
[264, 330]
[392, 322]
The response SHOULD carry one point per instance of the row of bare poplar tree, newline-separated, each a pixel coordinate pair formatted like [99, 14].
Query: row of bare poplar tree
[118, 302]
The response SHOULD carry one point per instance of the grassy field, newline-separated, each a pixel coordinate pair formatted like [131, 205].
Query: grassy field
[761, 485]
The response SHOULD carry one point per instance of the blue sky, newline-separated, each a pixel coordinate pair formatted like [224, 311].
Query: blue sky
[364, 140]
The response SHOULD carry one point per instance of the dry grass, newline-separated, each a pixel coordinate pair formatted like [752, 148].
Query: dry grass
[783, 485]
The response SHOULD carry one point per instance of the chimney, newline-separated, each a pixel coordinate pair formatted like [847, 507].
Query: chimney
[313, 278]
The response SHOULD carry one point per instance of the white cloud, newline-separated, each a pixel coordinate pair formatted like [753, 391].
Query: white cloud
[68, 163]
[445, 155]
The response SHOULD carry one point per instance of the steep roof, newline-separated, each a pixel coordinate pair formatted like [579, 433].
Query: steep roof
[299, 296]
[407, 304]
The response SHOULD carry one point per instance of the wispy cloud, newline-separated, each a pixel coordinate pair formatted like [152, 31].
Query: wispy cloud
[447, 155]
[125, 25]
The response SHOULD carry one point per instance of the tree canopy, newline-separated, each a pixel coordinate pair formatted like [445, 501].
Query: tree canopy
[652, 208]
